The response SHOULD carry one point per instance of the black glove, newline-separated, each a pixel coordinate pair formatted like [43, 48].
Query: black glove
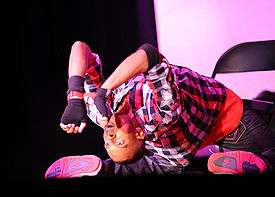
[100, 102]
[75, 112]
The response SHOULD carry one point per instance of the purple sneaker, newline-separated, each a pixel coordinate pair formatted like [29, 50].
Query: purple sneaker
[209, 150]
[74, 166]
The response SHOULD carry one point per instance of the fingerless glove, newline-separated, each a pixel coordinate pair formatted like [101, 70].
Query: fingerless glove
[75, 112]
[101, 101]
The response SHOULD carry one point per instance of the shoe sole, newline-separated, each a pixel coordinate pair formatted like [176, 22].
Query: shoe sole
[74, 166]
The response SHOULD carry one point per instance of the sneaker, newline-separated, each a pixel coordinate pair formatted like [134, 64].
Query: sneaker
[236, 162]
[74, 166]
[209, 150]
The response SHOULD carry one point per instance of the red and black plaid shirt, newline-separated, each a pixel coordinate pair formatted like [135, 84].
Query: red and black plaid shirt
[175, 106]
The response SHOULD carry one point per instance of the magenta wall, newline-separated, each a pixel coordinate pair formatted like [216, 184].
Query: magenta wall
[196, 33]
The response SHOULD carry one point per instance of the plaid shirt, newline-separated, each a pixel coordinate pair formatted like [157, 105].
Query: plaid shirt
[175, 106]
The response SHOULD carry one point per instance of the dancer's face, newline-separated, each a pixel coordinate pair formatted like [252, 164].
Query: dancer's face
[123, 138]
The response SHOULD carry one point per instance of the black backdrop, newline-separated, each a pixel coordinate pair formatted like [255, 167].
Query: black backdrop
[46, 31]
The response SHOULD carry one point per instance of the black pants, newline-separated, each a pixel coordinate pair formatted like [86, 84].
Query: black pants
[252, 134]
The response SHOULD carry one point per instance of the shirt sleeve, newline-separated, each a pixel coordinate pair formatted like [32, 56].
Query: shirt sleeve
[94, 75]
[159, 98]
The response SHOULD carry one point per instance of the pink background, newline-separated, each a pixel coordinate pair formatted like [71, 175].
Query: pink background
[196, 33]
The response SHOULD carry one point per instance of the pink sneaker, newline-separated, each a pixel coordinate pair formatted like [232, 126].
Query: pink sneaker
[236, 162]
[74, 166]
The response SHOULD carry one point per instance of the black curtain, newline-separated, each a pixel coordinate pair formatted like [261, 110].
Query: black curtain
[46, 31]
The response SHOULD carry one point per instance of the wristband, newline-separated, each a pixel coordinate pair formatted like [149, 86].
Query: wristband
[76, 83]
[103, 92]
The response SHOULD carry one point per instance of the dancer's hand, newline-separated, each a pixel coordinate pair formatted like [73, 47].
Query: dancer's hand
[74, 118]
[101, 105]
